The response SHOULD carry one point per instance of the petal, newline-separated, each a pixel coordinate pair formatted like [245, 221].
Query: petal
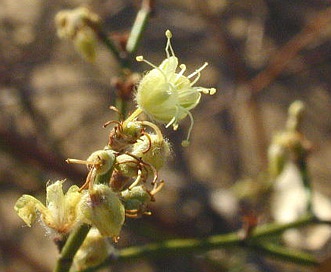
[189, 98]
[72, 198]
[169, 66]
[27, 206]
[55, 204]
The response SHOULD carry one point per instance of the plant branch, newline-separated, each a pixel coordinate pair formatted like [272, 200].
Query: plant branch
[189, 246]
[69, 250]
[139, 26]
[285, 54]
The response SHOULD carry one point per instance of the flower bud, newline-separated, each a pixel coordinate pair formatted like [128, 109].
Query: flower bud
[79, 25]
[94, 250]
[153, 149]
[102, 160]
[124, 134]
[127, 165]
[85, 43]
[136, 200]
[102, 208]
[277, 159]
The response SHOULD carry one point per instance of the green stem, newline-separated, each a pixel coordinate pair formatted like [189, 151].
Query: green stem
[275, 229]
[286, 254]
[138, 27]
[120, 56]
[303, 168]
[189, 246]
[75, 240]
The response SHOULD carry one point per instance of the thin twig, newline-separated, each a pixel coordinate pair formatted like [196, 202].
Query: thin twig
[285, 54]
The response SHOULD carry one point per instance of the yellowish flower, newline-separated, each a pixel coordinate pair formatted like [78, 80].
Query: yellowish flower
[165, 94]
[61, 210]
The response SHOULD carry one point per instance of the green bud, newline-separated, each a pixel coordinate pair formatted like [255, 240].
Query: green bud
[94, 250]
[79, 25]
[102, 160]
[295, 114]
[85, 43]
[127, 165]
[277, 158]
[136, 200]
[102, 208]
[153, 149]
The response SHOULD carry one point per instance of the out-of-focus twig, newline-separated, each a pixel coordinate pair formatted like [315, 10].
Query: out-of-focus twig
[28, 151]
[139, 26]
[285, 54]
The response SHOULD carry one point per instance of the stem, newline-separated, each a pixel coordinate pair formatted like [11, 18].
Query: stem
[286, 254]
[275, 229]
[133, 116]
[68, 252]
[139, 27]
[303, 167]
[190, 246]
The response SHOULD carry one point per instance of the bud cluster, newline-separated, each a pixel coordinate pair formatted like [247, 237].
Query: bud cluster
[289, 144]
[122, 181]
[78, 25]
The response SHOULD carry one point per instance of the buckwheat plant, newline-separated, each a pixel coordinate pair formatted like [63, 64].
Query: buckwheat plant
[123, 177]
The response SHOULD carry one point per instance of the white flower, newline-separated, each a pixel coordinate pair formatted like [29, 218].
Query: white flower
[165, 94]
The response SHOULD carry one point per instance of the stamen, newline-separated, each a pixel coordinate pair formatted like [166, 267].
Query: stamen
[197, 73]
[75, 161]
[186, 142]
[182, 71]
[154, 127]
[157, 188]
[210, 91]
[137, 181]
[174, 120]
[141, 59]
[169, 51]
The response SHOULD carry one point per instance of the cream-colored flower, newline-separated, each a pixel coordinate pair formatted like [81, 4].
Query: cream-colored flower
[165, 94]
[61, 210]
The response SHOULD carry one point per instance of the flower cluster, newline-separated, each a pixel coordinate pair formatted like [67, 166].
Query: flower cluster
[78, 25]
[119, 183]
[123, 177]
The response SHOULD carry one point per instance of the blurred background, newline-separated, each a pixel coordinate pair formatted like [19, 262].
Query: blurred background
[262, 55]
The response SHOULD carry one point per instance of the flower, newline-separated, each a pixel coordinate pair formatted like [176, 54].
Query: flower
[61, 210]
[165, 94]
